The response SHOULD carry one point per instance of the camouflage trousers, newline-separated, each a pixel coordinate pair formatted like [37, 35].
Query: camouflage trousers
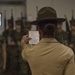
[15, 64]
[1, 61]
[24, 67]
[1, 72]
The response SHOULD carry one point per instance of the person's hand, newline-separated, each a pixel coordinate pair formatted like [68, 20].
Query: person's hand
[25, 40]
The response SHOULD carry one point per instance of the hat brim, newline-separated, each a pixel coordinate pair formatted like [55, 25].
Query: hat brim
[58, 20]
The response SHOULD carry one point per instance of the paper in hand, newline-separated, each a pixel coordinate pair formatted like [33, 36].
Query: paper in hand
[34, 35]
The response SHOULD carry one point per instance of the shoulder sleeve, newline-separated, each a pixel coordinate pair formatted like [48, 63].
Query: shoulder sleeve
[70, 68]
[24, 55]
[25, 51]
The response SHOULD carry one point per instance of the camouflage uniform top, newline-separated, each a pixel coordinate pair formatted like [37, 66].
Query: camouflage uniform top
[17, 37]
[11, 52]
[1, 54]
[8, 34]
[23, 65]
[73, 42]
[62, 37]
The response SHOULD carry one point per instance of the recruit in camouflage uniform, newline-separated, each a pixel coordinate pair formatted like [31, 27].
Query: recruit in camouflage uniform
[22, 65]
[72, 45]
[61, 35]
[1, 55]
[11, 53]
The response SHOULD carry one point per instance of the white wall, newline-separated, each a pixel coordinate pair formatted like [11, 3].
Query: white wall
[31, 6]
[61, 6]
[17, 9]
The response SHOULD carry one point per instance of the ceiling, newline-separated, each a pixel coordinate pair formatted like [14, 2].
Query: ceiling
[12, 2]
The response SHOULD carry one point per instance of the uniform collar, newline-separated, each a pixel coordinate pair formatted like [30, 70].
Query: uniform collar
[48, 40]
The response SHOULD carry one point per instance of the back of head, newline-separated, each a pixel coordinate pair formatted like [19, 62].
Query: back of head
[48, 28]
